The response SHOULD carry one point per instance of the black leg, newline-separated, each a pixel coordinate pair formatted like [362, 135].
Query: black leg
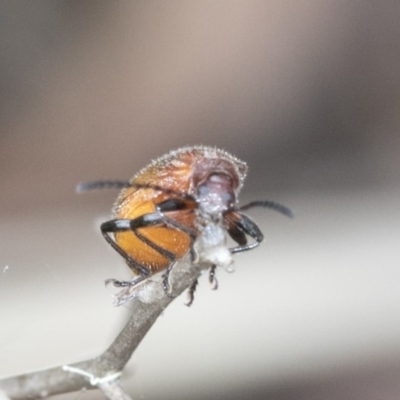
[166, 284]
[191, 291]
[190, 232]
[247, 226]
[122, 225]
[236, 233]
[157, 219]
[147, 220]
[212, 279]
[122, 284]
[171, 257]
[177, 205]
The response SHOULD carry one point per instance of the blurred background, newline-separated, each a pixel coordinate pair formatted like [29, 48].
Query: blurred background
[308, 93]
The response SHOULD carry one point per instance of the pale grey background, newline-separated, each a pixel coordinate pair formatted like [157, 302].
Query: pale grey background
[306, 92]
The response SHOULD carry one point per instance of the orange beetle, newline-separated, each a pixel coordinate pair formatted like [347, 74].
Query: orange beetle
[161, 211]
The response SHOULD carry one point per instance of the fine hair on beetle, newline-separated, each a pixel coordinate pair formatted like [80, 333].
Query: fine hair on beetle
[162, 211]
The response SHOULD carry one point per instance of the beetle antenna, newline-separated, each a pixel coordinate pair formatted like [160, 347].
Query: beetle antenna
[269, 204]
[86, 186]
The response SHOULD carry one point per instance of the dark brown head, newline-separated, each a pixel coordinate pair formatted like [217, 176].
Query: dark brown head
[216, 181]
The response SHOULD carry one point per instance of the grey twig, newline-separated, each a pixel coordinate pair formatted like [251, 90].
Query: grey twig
[103, 371]
[113, 390]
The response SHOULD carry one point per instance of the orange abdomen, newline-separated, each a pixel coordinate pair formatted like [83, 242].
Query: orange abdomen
[135, 203]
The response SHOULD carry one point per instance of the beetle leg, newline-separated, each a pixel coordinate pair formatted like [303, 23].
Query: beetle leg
[191, 291]
[190, 232]
[237, 233]
[193, 256]
[151, 220]
[147, 220]
[166, 284]
[172, 205]
[158, 218]
[123, 284]
[243, 225]
[212, 279]
[122, 225]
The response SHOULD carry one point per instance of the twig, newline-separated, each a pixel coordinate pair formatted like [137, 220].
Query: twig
[113, 391]
[145, 310]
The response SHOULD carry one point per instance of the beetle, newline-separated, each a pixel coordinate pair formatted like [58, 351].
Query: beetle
[163, 209]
